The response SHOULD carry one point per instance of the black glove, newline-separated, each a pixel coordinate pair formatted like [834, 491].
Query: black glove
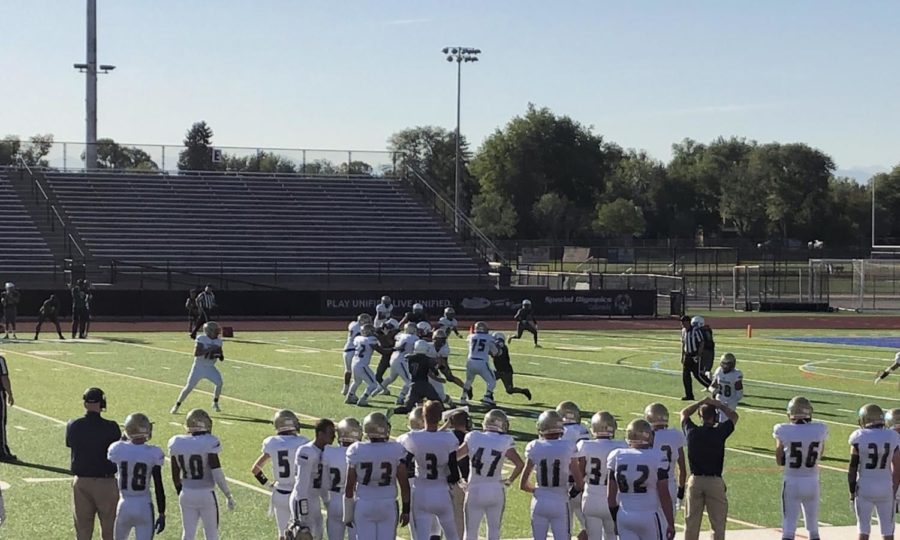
[160, 524]
[680, 494]
[573, 492]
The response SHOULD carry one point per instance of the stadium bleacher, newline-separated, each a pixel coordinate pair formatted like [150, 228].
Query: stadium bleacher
[256, 226]
[23, 250]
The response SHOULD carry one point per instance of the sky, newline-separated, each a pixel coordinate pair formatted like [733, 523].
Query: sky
[346, 74]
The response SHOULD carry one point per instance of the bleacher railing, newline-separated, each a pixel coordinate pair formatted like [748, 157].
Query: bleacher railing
[54, 219]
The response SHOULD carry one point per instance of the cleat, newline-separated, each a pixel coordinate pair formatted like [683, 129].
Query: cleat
[463, 400]
[448, 401]
[363, 402]
[401, 400]
[384, 391]
[216, 406]
[488, 401]
[527, 393]
[174, 409]
[537, 346]
[351, 399]
[469, 393]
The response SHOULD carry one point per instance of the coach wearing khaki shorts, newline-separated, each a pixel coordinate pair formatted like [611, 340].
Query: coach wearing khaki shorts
[706, 457]
[94, 491]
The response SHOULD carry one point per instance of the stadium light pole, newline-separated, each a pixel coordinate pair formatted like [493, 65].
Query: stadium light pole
[90, 68]
[458, 55]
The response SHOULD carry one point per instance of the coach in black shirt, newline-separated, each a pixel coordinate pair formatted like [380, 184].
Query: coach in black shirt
[95, 492]
[706, 458]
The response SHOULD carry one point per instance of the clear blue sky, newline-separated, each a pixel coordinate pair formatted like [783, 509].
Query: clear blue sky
[346, 74]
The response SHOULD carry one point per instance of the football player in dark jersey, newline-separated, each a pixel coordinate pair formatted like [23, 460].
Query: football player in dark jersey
[385, 336]
[503, 367]
[525, 322]
[416, 316]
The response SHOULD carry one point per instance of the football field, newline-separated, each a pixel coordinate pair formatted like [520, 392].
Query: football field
[619, 371]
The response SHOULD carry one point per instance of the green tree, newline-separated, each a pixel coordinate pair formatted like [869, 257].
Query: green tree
[645, 181]
[261, 161]
[494, 215]
[197, 154]
[887, 206]
[359, 168]
[619, 218]
[9, 150]
[432, 151]
[556, 216]
[847, 220]
[112, 155]
[322, 167]
[539, 153]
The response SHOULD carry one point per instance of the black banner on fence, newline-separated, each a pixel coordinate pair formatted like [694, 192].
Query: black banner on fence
[612, 303]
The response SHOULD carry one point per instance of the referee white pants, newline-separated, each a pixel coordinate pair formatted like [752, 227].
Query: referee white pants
[202, 369]
[199, 505]
[484, 500]
[483, 370]
[134, 513]
[797, 493]
[362, 374]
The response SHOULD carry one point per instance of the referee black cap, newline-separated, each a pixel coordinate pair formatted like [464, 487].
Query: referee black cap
[94, 395]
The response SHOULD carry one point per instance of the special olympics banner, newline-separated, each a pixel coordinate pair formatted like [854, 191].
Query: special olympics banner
[607, 303]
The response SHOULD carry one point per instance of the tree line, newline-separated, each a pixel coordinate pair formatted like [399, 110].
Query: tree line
[546, 176]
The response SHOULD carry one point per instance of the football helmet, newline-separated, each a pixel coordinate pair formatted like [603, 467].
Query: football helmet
[376, 426]
[495, 420]
[423, 328]
[349, 430]
[423, 347]
[697, 320]
[198, 420]
[526, 303]
[367, 330]
[211, 329]
[386, 300]
[799, 408]
[364, 318]
[892, 419]
[499, 337]
[418, 308]
[410, 328]
[481, 327]
[10, 285]
[549, 423]
[138, 426]
[440, 333]
[391, 324]
[870, 415]
[728, 361]
[416, 418]
[569, 411]
[657, 415]
[639, 433]
[449, 312]
[285, 420]
[603, 424]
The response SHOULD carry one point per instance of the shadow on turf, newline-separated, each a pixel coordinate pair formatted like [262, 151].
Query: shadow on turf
[39, 466]
[249, 419]
[127, 340]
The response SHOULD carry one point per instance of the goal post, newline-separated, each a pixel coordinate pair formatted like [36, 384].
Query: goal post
[746, 287]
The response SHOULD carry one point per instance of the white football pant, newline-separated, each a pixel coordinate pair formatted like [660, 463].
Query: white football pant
[134, 513]
[377, 517]
[197, 374]
[483, 370]
[199, 505]
[348, 360]
[797, 493]
[399, 368]
[550, 513]
[336, 528]
[882, 502]
[363, 374]
[429, 503]
[313, 518]
[484, 500]
[281, 507]
[641, 525]
[598, 521]
[575, 508]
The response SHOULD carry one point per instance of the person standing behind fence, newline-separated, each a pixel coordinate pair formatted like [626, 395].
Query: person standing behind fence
[95, 492]
[10, 300]
[88, 302]
[206, 305]
[49, 312]
[6, 401]
[79, 310]
[192, 310]
[691, 345]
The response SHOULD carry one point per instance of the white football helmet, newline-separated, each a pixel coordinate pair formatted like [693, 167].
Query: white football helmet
[481, 327]
[10, 285]
[211, 329]
[411, 329]
[499, 337]
[386, 300]
[364, 318]
[423, 347]
[391, 324]
[526, 303]
[367, 330]
[449, 312]
[418, 308]
[424, 328]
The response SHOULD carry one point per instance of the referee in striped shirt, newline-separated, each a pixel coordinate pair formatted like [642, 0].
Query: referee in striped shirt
[6, 401]
[206, 304]
[692, 343]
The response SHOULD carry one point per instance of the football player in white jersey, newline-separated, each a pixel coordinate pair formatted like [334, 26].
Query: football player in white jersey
[374, 470]
[137, 462]
[488, 450]
[280, 449]
[574, 432]
[481, 347]
[883, 374]
[383, 311]
[207, 351]
[334, 468]
[727, 384]
[671, 443]
[196, 471]
[415, 422]
[800, 445]
[365, 345]
[638, 490]
[892, 421]
[592, 456]
[552, 459]
[353, 330]
[874, 471]
[448, 322]
[442, 348]
[306, 509]
[434, 453]
[403, 345]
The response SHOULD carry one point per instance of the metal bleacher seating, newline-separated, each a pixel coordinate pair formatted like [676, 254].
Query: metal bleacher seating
[259, 225]
[23, 250]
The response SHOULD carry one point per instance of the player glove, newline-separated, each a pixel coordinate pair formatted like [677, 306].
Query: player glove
[573, 492]
[229, 501]
[680, 494]
[160, 525]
